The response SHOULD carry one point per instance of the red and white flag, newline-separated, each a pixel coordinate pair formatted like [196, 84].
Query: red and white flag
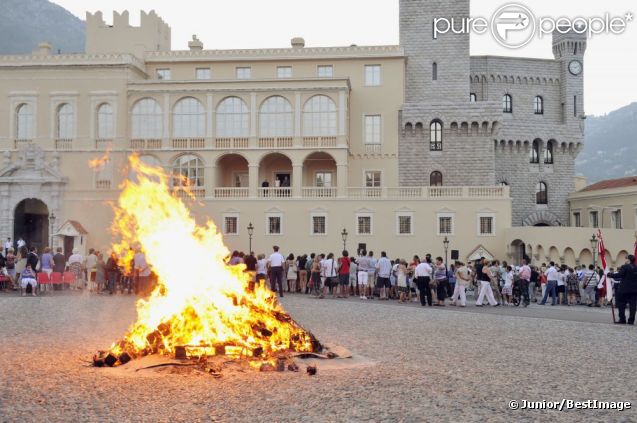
[605, 280]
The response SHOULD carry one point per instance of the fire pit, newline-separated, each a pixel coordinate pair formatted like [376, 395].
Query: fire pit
[201, 307]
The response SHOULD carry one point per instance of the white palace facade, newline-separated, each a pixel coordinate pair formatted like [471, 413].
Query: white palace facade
[300, 142]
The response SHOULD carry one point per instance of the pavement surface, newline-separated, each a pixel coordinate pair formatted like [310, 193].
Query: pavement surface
[432, 364]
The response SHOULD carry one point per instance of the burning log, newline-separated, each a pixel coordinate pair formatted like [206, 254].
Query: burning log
[124, 358]
[311, 370]
[293, 367]
[280, 365]
[180, 352]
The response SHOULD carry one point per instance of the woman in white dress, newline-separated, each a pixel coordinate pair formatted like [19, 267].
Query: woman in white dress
[401, 281]
[292, 272]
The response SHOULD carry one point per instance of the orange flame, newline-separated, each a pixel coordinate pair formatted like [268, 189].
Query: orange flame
[99, 162]
[199, 301]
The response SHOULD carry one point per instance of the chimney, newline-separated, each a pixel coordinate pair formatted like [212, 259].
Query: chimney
[44, 49]
[298, 42]
[195, 44]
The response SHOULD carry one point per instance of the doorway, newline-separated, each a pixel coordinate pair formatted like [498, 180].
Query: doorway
[282, 179]
[69, 243]
[31, 223]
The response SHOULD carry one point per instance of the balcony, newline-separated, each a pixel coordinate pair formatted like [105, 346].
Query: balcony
[103, 144]
[21, 143]
[278, 142]
[188, 143]
[64, 144]
[145, 144]
[231, 143]
[275, 192]
[189, 192]
[318, 192]
[233, 192]
[320, 142]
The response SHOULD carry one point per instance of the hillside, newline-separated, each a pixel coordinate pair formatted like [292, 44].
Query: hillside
[25, 23]
[610, 149]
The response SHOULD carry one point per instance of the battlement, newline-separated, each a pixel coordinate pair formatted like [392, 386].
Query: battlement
[152, 34]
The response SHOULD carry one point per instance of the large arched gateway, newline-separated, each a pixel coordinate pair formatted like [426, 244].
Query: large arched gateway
[31, 222]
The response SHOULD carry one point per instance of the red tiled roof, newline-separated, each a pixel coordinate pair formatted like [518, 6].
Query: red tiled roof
[78, 227]
[613, 183]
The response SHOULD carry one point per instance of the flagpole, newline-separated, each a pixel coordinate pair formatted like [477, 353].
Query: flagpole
[601, 249]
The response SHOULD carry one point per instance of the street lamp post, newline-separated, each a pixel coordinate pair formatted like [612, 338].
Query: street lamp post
[445, 242]
[250, 233]
[594, 247]
[52, 222]
[344, 237]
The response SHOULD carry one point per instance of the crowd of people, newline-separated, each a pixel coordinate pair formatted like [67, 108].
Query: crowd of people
[95, 273]
[432, 282]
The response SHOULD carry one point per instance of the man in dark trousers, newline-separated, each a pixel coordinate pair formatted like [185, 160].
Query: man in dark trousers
[626, 293]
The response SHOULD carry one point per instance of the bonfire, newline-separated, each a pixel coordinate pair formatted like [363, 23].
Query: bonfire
[200, 306]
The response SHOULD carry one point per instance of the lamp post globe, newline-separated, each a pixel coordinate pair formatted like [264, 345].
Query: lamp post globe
[344, 237]
[445, 242]
[250, 233]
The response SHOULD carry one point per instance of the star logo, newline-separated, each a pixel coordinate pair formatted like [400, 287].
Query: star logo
[629, 16]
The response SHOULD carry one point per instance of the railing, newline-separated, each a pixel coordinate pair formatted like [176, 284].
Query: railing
[276, 142]
[103, 144]
[276, 192]
[145, 144]
[486, 192]
[189, 143]
[365, 192]
[191, 192]
[230, 143]
[64, 144]
[231, 192]
[318, 192]
[19, 143]
[444, 192]
[372, 148]
[315, 142]
[103, 184]
[405, 192]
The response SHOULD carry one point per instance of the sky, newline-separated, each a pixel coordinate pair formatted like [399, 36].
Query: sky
[610, 64]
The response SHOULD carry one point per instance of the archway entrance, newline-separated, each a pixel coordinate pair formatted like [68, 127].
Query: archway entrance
[31, 223]
[518, 252]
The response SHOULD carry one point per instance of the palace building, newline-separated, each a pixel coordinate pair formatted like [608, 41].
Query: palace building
[399, 145]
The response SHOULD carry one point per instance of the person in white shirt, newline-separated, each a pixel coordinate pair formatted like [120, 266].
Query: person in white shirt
[7, 246]
[363, 275]
[552, 276]
[463, 279]
[21, 243]
[423, 277]
[384, 272]
[329, 264]
[507, 289]
[561, 286]
[371, 270]
[276, 262]
[262, 268]
[143, 273]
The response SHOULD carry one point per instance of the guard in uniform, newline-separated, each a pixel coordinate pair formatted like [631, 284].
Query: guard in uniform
[626, 293]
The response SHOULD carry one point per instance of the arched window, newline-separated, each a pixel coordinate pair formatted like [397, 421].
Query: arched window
[541, 194]
[105, 122]
[233, 118]
[24, 122]
[538, 105]
[503, 184]
[548, 153]
[276, 118]
[319, 117]
[434, 71]
[65, 122]
[473, 98]
[507, 103]
[189, 119]
[435, 179]
[147, 120]
[535, 152]
[188, 171]
[435, 136]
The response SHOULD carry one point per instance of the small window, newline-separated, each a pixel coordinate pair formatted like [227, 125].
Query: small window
[434, 71]
[435, 179]
[325, 71]
[507, 104]
[65, 121]
[24, 122]
[372, 75]
[323, 179]
[541, 194]
[164, 74]
[203, 73]
[486, 225]
[616, 219]
[594, 219]
[445, 225]
[231, 225]
[435, 136]
[274, 225]
[319, 225]
[373, 179]
[364, 225]
[575, 106]
[473, 98]
[548, 153]
[535, 152]
[284, 72]
[372, 129]
[244, 73]
[538, 105]
[105, 122]
[404, 225]
[577, 220]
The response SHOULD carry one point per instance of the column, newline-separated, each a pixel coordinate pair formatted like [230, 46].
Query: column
[342, 180]
[165, 141]
[342, 114]
[211, 181]
[297, 179]
[210, 120]
[253, 119]
[297, 120]
[253, 180]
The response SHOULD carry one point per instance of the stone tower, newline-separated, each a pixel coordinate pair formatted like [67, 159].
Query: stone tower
[442, 132]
